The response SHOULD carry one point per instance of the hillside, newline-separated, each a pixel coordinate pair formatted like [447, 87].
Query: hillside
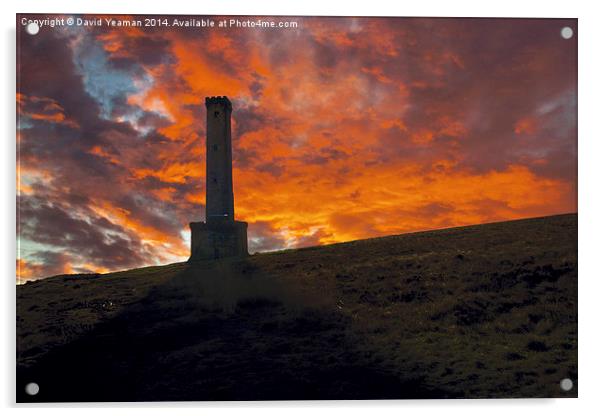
[480, 311]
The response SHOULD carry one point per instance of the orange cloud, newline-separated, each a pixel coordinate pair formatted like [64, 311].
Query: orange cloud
[98, 151]
[165, 246]
[27, 270]
[527, 125]
[43, 108]
[175, 172]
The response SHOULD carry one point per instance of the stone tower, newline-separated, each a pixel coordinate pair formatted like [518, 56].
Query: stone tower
[220, 235]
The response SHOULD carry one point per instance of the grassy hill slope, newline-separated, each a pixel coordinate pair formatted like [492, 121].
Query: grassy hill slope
[480, 311]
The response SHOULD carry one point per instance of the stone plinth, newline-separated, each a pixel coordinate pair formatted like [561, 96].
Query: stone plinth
[218, 239]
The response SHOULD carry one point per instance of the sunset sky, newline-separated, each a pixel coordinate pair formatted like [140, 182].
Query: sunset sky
[343, 128]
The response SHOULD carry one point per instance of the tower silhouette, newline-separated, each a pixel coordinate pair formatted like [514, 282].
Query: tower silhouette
[220, 235]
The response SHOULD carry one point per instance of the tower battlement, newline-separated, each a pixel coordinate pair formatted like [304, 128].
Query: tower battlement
[223, 100]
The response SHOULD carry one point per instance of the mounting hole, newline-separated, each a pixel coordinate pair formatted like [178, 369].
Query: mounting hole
[32, 389]
[32, 28]
[566, 384]
[566, 32]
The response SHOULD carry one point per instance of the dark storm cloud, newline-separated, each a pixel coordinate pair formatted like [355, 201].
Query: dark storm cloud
[51, 262]
[145, 50]
[274, 167]
[53, 225]
[257, 85]
[45, 69]
[488, 83]
[249, 119]
[152, 120]
[245, 158]
[88, 163]
[322, 156]
[262, 237]
[469, 81]
[326, 55]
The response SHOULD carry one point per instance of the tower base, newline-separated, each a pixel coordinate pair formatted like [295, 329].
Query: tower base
[218, 239]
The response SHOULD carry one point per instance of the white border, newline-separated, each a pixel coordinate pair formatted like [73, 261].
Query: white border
[590, 201]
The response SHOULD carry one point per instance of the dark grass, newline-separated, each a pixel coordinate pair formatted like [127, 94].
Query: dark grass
[471, 312]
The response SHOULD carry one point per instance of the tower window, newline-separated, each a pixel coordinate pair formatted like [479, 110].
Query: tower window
[215, 148]
[216, 114]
